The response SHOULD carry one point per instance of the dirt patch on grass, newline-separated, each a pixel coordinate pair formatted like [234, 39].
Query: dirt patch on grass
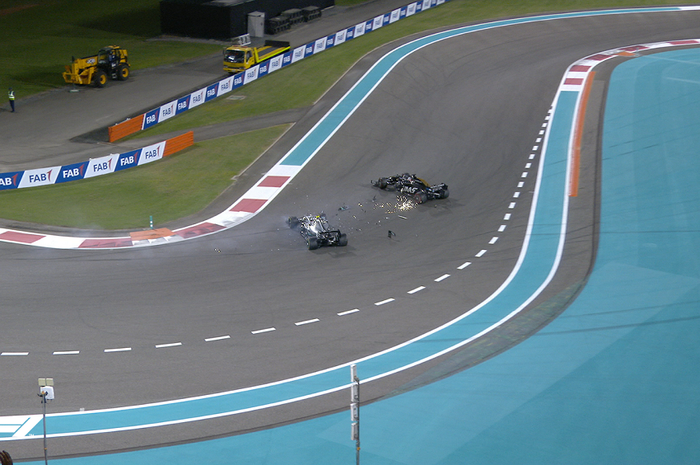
[15, 9]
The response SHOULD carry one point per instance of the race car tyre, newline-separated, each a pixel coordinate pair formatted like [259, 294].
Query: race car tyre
[293, 222]
[313, 243]
[381, 183]
[343, 240]
[100, 78]
[123, 72]
[420, 197]
[444, 193]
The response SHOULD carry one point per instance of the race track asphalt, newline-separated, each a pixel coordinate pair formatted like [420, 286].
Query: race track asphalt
[464, 112]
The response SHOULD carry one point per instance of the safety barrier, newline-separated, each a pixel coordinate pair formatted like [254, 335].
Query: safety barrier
[184, 103]
[96, 166]
[121, 130]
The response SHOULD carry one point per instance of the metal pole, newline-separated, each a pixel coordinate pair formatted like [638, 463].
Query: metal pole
[357, 453]
[43, 402]
[355, 410]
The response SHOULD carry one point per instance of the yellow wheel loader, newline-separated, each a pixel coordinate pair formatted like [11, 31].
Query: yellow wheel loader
[110, 62]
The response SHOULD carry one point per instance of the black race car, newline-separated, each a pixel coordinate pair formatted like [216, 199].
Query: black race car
[316, 231]
[413, 187]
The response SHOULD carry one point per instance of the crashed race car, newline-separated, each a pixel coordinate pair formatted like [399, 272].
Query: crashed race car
[413, 187]
[317, 232]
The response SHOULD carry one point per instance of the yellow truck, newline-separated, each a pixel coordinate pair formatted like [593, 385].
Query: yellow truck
[111, 61]
[238, 58]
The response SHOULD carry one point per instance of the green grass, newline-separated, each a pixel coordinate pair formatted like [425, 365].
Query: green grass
[177, 186]
[39, 37]
[51, 31]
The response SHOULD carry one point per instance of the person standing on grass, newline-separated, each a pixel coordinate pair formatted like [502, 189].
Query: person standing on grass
[11, 97]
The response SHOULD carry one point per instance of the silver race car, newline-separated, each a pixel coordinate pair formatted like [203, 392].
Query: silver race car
[317, 232]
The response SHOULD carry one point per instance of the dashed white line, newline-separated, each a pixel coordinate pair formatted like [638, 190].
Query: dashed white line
[502, 228]
[506, 217]
[511, 205]
[481, 253]
[66, 352]
[493, 240]
[386, 301]
[442, 278]
[266, 330]
[524, 175]
[538, 140]
[11, 354]
[217, 338]
[528, 165]
[516, 194]
[418, 289]
[532, 156]
[170, 344]
[535, 148]
[119, 349]
[306, 322]
[521, 184]
[348, 312]
[464, 265]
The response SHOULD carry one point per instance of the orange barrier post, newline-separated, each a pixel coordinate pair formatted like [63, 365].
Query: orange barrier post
[178, 143]
[125, 128]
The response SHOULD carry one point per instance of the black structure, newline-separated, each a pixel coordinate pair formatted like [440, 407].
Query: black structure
[223, 19]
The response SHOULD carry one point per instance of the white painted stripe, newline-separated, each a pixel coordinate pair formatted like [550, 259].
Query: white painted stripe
[524, 175]
[31, 422]
[66, 352]
[493, 240]
[464, 265]
[4, 429]
[442, 278]
[283, 170]
[384, 302]
[481, 253]
[10, 354]
[516, 194]
[266, 330]
[170, 344]
[520, 184]
[306, 322]
[14, 420]
[511, 205]
[528, 165]
[120, 349]
[418, 289]
[217, 338]
[535, 148]
[348, 312]
[502, 228]
[532, 156]
[506, 217]
[262, 193]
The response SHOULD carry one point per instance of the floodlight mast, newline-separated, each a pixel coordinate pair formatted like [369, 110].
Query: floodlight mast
[46, 394]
